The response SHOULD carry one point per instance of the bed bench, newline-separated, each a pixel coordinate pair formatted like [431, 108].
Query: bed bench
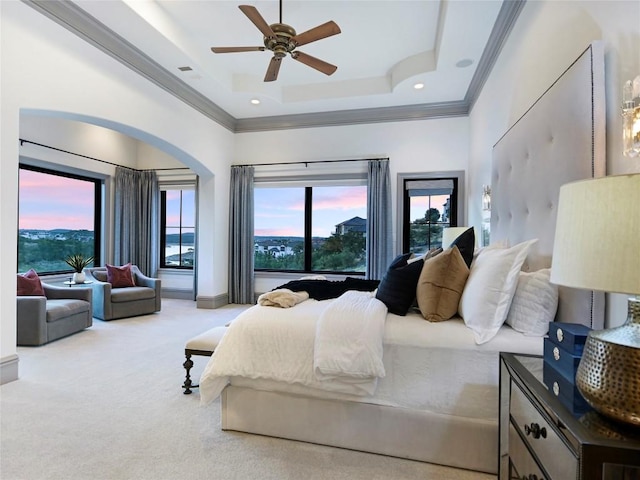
[203, 344]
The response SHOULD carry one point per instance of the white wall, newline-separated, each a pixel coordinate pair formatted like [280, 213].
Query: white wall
[546, 39]
[415, 146]
[47, 69]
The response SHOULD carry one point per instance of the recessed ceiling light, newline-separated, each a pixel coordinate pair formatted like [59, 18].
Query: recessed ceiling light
[464, 63]
[255, 101]
[418, 85]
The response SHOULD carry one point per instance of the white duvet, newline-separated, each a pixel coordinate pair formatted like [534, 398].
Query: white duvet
[330, 345]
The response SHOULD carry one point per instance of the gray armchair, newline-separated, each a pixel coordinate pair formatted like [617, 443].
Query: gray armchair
[61, 312]
[111, 303]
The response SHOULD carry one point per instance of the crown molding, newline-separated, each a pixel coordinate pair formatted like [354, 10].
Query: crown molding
[77, 21]
[353, 117]
[509, 13]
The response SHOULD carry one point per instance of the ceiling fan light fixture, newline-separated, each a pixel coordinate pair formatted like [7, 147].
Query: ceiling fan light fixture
[282, 39]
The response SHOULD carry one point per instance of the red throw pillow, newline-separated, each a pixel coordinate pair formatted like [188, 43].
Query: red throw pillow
[120, 277]
[29, 284]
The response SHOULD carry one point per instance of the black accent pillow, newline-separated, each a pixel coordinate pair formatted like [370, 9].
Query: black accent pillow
[466, 243]
[397, 289]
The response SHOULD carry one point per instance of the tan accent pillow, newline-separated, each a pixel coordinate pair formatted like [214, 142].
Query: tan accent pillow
[440, 285]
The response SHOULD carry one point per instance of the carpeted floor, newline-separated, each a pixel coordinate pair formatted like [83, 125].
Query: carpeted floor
[106, 403]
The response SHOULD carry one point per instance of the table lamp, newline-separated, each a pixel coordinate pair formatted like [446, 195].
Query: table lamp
[597, 247]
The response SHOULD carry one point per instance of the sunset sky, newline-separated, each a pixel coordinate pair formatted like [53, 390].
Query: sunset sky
[280, 211]
[48, 202]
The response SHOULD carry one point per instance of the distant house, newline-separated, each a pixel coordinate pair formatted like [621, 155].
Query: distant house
[355, 224]
[274, 248]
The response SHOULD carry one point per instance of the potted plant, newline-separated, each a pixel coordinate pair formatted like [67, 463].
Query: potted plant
[78, 262]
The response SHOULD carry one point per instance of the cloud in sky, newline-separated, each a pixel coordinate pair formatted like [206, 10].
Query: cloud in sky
[339, 198]
[48, 202]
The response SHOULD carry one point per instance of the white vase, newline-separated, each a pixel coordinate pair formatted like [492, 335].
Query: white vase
[79, 277]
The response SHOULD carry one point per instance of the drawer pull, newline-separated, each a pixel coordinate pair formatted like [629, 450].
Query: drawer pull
[535, 431]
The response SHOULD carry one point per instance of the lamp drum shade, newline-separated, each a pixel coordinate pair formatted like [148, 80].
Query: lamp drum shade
[597, 239]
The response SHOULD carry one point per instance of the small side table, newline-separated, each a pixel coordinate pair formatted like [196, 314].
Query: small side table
[541, 439]
[71, 283]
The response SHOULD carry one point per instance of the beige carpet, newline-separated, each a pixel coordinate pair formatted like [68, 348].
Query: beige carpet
[107, 404]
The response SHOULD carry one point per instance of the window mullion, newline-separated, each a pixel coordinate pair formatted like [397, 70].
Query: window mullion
[163, 227]
[180, 231]
[97, 224]
[308, 244]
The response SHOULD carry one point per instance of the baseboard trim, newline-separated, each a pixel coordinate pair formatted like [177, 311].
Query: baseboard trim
[9, 369]
[212, 302]
[178, 293]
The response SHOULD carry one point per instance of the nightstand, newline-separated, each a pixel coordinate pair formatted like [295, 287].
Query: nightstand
[541, 439]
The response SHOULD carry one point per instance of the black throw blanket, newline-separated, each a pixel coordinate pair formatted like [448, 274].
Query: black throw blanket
[326, 289]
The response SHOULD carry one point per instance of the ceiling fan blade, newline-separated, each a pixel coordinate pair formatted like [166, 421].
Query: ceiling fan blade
[273, 69]
[321, 31]
[236, 49]
[314, 62]
[253, 14]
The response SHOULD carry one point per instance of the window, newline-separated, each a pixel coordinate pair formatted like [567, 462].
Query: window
[177, 229]
[58, 216]
[319, 228]
[429, 203]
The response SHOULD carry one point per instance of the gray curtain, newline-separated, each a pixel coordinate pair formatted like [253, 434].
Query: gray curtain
[136, 213]
[379, 218]
[241, 287]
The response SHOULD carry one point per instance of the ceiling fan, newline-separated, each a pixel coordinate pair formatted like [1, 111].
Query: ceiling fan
[282, 39]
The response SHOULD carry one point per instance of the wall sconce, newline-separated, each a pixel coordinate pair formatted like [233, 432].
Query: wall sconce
[486, 198]
[631, 118]
[486, 215]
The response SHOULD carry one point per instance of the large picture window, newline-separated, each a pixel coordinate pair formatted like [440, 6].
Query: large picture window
[319, 228]
[178, 226]
[58, 216]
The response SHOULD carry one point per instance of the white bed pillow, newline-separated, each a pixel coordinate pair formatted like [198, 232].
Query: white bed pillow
[534, 304]
[492, 282]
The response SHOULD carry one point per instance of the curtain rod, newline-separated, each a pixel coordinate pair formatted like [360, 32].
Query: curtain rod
[23, 141]
[307, 163]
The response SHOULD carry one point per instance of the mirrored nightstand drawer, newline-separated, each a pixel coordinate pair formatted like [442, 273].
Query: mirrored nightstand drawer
[523, 462]
[541, 437]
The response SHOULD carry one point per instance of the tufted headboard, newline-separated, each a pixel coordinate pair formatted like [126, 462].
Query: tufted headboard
[560, 139]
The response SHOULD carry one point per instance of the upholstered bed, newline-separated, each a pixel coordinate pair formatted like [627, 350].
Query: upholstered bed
[437, 400]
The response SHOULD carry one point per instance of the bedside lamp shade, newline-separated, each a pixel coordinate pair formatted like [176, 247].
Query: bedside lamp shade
[597, 247]
[597, 240]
